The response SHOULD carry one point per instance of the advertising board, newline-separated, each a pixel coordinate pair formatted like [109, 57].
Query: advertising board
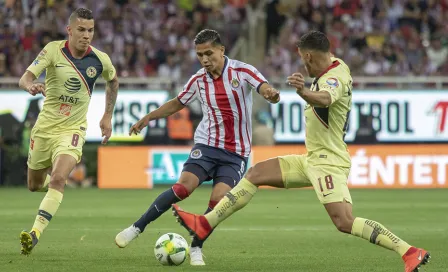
[373, 166]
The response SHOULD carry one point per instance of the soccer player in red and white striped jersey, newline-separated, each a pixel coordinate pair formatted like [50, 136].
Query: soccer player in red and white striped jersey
[223, 138]
[226, 101]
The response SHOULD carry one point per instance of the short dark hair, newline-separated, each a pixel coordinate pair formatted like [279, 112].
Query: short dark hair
[314, 40]
[208, 35]
[82, 13]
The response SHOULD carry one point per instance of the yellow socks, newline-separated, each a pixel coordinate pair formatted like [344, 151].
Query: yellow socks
[47, 210]
[45, 186]
[379, 235]
[234, 200]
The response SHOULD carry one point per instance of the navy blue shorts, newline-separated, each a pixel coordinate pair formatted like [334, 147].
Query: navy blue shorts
[209, 163]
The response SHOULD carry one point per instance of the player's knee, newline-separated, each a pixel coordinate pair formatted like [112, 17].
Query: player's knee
[254, 175]
[181, 191]
[342, 224]
[57, 179]
[34, 187]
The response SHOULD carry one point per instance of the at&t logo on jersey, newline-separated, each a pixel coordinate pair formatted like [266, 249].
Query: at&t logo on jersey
[72, 85]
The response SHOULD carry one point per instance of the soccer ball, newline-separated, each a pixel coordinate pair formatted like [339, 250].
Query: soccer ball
[171, 249]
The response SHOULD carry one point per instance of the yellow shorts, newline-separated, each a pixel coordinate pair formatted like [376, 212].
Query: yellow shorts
[45, 147]
[329, 182]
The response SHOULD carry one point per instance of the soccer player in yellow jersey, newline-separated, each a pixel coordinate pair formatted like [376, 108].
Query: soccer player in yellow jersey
[326, 165]
[72, 67]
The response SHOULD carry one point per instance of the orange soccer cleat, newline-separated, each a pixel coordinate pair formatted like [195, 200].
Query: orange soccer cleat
[414, 258]
[197, 225]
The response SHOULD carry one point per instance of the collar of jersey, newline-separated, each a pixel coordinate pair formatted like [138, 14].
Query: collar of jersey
[226, 60]
[333, 65]
[71, 55]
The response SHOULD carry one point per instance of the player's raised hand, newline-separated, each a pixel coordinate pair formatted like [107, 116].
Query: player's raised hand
[106, 128]
[272, 95]
[141, 124]
[37, 88]
[297, 81]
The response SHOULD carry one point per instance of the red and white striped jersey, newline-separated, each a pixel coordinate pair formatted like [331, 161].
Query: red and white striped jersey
[226, 105]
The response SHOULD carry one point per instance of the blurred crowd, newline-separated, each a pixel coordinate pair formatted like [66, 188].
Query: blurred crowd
[155, 37]
[143, 38]
[374, 37]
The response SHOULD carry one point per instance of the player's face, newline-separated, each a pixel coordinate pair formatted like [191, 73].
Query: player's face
[210, 56]
[306, 57]
[81, 32]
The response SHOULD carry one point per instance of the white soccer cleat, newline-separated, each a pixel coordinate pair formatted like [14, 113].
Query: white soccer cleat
[196, 256]
[126, 236]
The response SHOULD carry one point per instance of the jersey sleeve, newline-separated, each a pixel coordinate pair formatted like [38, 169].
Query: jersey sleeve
[332, 85]
[253, 77]
[43, 60]
[189, 92]
[109, 71]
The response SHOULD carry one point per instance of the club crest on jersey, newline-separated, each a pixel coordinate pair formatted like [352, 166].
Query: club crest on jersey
[196, 154]
[235, 83]
[91, 72]
[333, 82]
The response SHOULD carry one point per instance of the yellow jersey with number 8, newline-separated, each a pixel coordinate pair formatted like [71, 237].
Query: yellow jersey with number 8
[69, 83]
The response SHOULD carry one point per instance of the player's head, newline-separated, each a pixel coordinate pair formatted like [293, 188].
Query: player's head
[209, 50]
[313, 47]
[80, 28]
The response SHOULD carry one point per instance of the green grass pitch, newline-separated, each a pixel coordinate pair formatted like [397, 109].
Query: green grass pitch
[280, 230]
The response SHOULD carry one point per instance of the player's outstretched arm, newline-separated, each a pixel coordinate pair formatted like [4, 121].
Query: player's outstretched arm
[269, 93]
[26, 82]
[318, 99]
[111, 98]
[167, 109]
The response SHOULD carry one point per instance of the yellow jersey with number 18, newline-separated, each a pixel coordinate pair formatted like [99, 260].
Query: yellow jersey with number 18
[326, 127]
[69, 83]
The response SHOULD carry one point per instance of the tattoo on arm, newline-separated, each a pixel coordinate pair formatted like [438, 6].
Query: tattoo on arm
[111, 95]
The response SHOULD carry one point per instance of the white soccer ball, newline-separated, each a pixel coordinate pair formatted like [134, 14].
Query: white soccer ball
[171, 249]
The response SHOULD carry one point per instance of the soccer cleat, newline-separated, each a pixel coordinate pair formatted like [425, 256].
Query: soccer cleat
[28, 240]
[414, 258]
[197, 225]
[196, 256]
[126, 236]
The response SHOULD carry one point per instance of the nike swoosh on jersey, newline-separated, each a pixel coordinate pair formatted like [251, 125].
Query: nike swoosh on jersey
[327, 194]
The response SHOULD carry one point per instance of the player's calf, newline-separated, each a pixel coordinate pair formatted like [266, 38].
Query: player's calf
[187, 183]
[341, 216]
[161, 204]
[343, 224]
